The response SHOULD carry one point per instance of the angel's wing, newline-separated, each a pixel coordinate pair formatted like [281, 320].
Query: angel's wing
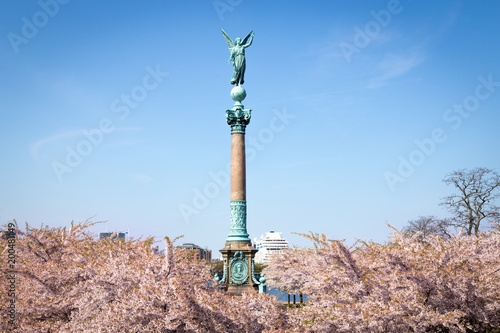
[228, 39]
[246, 38]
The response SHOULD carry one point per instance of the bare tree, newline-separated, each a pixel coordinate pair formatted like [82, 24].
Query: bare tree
[474, 204]
[428, 225]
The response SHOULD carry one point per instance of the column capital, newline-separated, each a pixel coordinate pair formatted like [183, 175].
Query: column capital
[238, 119]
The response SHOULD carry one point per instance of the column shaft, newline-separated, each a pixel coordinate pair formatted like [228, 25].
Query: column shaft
[238, 167]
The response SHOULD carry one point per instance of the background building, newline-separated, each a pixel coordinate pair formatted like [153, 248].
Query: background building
[198, 253]
[119, 235]
[156, 249]
[268, 245]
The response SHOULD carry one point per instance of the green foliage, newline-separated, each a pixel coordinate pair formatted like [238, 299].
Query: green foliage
[259, 267]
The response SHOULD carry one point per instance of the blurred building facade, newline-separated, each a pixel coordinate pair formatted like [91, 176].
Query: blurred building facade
[197, 252]
[113, 235]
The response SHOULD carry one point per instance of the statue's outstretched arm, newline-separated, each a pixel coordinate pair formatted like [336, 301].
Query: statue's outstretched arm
[249, 42]
[249, 36]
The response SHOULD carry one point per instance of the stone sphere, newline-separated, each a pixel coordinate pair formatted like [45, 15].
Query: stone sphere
[238, 94]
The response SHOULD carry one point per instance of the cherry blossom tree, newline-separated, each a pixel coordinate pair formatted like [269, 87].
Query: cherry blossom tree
[406, 285]
[67, 281]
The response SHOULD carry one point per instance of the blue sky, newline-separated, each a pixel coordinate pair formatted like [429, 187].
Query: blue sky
[116, 109]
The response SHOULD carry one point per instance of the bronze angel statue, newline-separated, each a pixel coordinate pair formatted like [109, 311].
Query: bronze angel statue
[237, 49]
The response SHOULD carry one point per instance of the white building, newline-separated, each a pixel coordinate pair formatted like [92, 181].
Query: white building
[268, 245]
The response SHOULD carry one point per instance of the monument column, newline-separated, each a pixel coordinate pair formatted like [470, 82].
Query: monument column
[238, 253]
[238, 118]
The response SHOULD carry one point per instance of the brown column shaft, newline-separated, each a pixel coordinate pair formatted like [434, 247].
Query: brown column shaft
[238, 169]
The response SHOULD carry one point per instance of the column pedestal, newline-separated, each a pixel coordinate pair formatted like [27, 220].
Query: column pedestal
[239, 267]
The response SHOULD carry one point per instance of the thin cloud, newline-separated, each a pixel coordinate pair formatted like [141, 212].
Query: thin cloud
[303, 163]
[287, 185]
[142, 178]
[124, 143]
[42, 142]
[394, 66]
[35, 147]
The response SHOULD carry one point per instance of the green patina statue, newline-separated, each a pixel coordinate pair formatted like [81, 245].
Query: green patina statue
[237, 49]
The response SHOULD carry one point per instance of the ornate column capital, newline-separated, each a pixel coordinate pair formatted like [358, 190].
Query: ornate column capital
[238, 119]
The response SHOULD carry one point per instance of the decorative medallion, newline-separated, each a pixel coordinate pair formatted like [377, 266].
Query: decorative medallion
[239, 268]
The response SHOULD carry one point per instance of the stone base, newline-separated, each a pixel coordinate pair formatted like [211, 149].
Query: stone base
[236, 290]
[228, 252]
